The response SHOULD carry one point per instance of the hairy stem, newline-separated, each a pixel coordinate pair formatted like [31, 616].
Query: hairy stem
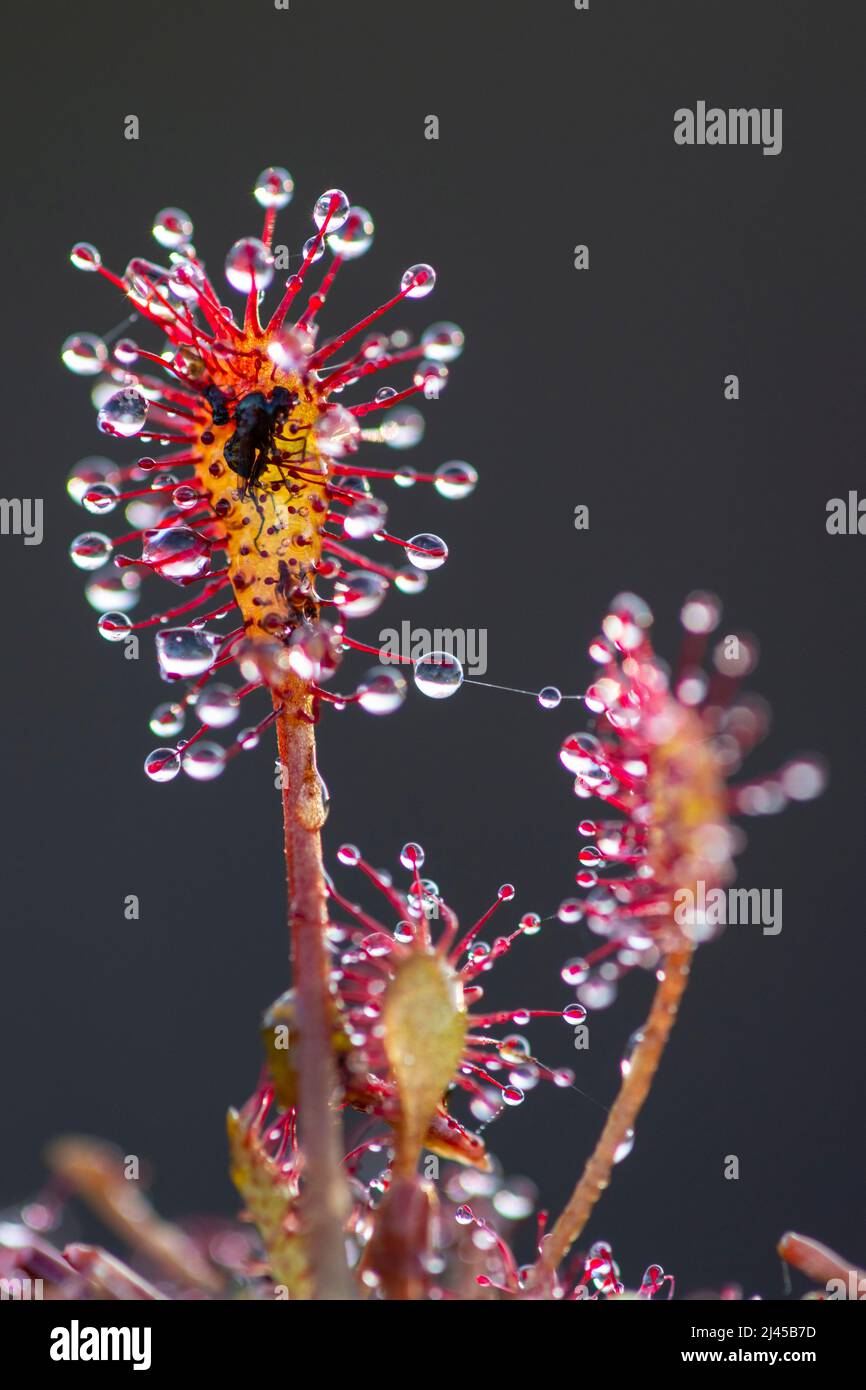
[632, 1093]
[325, 1193]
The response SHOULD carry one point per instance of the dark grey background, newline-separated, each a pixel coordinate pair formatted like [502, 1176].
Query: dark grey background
[603, 388]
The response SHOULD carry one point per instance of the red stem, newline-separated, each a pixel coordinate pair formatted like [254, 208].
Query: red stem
[325, 1199]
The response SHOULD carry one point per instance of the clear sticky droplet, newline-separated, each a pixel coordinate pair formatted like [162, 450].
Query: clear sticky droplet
[442, 342]
[90, 550]
[84, 354]
[172, 227]
[335, 202]
[84, 256]
[355, 237]
[274, 187]
[418, 280]
[426, 551]
[455, 480]
[249, 264]
[438, 675]
[162, 765]
[382, 691]
[123, 414]
[203, 761]
[114, 626]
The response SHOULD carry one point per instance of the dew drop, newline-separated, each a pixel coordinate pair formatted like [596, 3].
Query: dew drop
[119, 592]
[167, 720]
[463, 1216]
[360, 593]
[313, 250]
[364, 518]
[126, 352]
[349, 855]
[438, 674]
[249, 263]
[574, 1014]
[403, 429]
[443, 342]
[575, 971]
[426, 551]
[337, 432]
[291, 348]
[412, 856]
[410, 581]
[570, 911]
[549, 697]
[172, 227]
[123, 414]
[184, 652]
[382, 691]
[355, 237]
[184, 497]
[514, 1047]
[274, 187]
[100, 497]
[579, 753]
[432, 377]
[218, 705]
[335, 202]
[203, 761]
[90, 550]
[455, 480]
[87, 472]
[512, 1095]
[162, 765]
[114, 626]
[418, 280]
[84, 256]
[84, 354]
[186, 280]
[176, 552]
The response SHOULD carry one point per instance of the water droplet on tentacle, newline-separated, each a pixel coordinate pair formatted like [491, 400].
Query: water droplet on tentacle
[172, 227]
[274, 187]
[438, 675]
[184, 652]
[84, 354]
[123, 414]
[249, 263]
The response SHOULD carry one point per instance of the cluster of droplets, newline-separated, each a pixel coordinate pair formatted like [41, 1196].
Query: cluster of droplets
[596, 1275]
[634, 856]
[496, 1072]
[162, 494]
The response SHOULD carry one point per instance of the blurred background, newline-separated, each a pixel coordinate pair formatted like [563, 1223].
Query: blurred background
[602, 388]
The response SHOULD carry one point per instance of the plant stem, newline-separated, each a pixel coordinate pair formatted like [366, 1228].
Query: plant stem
[325, 1198]
[821, 1264]
[624, 1112]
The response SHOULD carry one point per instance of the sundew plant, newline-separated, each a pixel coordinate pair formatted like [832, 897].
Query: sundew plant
[362, 1157]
